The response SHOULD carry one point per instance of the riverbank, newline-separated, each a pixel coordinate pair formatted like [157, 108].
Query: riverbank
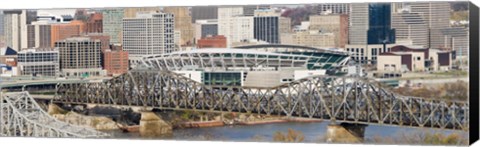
[127, 120]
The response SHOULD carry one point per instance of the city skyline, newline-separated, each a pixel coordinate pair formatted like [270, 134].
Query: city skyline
[356, 72]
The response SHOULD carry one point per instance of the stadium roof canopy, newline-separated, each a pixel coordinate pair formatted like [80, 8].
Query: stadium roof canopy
[235, 59]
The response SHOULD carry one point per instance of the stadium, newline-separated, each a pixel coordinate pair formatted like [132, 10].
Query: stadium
[255, 65]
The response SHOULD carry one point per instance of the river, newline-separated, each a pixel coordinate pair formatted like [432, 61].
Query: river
[313, 132]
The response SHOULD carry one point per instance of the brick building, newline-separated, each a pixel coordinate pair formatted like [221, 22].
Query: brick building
[63, 31]
[212, 42]
[95, 23]
[103, 38]
[115, 61]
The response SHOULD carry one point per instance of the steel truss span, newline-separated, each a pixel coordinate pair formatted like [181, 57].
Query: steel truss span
[21, 116]
[339, 99]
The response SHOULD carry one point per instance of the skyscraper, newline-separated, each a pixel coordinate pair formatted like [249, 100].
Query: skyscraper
[39, 35]
[112, 24]
[410, 28]
[226, 15]
[437, 17]
[379, 24]
[266, 25]
[370, 23]
[183, 23]
[358, 24]
[149, 33]
[15, 29]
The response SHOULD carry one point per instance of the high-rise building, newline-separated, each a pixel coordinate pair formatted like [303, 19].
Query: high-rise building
[183, 23]
[132, 12]
[112, 24]
[437, 17]
[266, 25]
[204, 12]
[333, 8]
[241, 30]
[115, 62]
[229, 18]
[1, 26]
[456, 38]
[212, 42]
[60, 31]
[205, 27]
[410, 28]
[35, 62]
[94, 23]
[39, 35]
[332, 23]
[148, 34]
[379, 24]
[80, 56]
[15, 29]
[358, 24]
[370, 23]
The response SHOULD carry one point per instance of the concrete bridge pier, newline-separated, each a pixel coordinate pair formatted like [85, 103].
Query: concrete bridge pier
[151, 125]
[345, 133]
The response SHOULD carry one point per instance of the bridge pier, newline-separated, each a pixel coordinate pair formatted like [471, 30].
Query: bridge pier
[152, 125]
[345, 133]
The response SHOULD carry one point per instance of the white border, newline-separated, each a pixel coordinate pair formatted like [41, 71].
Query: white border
[42, 4]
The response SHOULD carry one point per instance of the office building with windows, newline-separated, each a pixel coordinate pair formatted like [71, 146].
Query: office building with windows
[410, 27]
[331, 23]
[38, 62]
[183, 23]
[266, 26]
[112, 24]
[206, 27]
[333, 8]
[80, 56]
[149, 33]
[15, 29]
[379, 24]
